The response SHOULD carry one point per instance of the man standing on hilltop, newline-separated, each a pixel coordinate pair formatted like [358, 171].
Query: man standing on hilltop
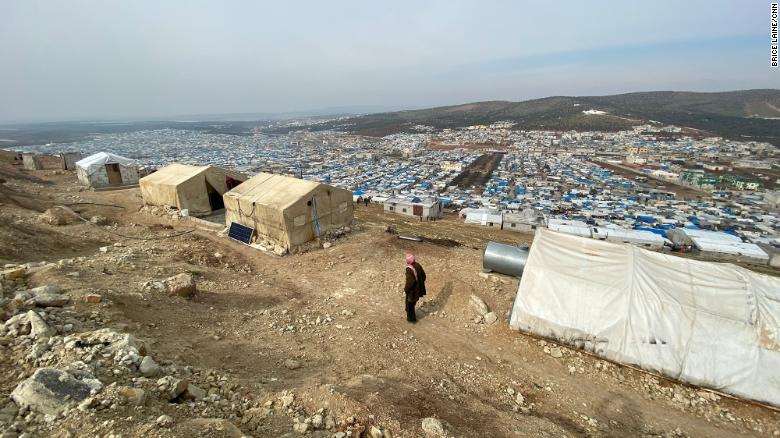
[415, 286]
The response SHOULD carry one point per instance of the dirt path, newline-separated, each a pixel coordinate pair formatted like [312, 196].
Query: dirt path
[444, 366]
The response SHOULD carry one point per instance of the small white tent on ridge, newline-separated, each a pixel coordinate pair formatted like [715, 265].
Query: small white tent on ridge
[105, 169]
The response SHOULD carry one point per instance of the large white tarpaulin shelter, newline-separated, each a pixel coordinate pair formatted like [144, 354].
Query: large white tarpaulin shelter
[715, 325]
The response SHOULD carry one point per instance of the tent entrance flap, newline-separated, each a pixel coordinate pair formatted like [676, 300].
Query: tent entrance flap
[232, 183]
[114, 175]
[215, 199]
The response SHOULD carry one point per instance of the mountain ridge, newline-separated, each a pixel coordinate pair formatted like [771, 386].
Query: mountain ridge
[742, 114]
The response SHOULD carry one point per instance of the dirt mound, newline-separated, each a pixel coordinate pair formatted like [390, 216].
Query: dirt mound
[29, 241]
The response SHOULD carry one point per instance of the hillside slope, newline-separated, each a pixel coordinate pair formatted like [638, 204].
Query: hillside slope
[317, 342]
[735, 114]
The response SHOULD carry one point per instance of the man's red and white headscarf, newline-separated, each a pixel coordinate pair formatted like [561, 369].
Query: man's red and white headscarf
[410, 263]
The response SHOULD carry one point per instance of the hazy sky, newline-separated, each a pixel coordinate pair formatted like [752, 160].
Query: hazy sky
[70, 60]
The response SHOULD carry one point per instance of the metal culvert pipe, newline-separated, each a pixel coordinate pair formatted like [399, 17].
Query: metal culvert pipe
[504, 259]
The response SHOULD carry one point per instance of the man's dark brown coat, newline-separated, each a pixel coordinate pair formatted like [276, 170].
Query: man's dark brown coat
[415, 287]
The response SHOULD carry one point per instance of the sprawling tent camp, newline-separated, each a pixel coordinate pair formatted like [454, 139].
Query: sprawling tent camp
[105, 169]
[710, 324]
[287, 211]
[198, 189]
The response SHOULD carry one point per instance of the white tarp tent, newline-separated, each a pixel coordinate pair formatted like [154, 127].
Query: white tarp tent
[105, 169]
[484, 218]
[710, 324]
[716, 243]
[95, 162]
[576, 230]
[644, 238]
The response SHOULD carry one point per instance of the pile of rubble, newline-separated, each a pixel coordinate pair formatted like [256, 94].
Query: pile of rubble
[336, 233]
[162, 211]
[484, 315]
[326, 240]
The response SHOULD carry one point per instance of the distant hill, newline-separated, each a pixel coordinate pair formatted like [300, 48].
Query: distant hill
[753, 114]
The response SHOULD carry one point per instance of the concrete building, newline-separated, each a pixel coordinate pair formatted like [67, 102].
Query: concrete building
[525, 221]
[424, 209]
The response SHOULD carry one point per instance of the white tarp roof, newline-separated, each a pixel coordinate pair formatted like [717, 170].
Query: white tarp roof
[576, 223]
[427, 202]
[642, 236]
[724, 243]
[577, 230]
[710, 235]
[710, 324]
[94, 162]
[734, 248]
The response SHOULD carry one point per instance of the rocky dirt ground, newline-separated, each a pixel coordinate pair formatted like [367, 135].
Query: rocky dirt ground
[129, 324]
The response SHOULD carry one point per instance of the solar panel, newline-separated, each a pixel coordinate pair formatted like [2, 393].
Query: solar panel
[241, 233]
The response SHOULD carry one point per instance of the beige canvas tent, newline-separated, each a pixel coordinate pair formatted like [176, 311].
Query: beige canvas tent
[288, 211]
[198, 189]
